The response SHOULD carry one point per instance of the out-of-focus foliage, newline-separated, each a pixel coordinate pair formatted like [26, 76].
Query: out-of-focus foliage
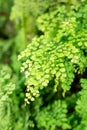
[53, 116]
[52, 64]
[81, 107]
[5, 25]
[13, 114]
[6, 89]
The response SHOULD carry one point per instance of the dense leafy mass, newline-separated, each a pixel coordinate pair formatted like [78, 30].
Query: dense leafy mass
[47, 41]
[58, 54]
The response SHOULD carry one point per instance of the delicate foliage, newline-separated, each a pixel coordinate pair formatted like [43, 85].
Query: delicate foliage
[58, 54]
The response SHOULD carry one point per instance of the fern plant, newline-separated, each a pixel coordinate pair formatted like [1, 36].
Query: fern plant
[59, 53]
